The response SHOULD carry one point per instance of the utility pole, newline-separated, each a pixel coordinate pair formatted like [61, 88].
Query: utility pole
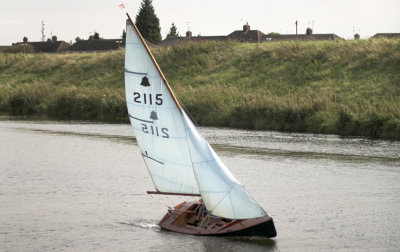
[188, 26]
[43, 37]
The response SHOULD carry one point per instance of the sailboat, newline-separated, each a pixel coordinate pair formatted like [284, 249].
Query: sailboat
[179, 160]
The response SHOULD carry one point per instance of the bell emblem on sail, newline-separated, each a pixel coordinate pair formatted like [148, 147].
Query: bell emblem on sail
[153, 115]
[145, 82]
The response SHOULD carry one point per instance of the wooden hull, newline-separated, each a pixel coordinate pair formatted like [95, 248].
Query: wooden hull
[190, 218]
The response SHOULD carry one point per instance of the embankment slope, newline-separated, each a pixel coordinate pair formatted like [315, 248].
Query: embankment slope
[334, 87]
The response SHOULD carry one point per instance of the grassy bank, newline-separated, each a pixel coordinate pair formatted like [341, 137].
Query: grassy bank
[344, 87]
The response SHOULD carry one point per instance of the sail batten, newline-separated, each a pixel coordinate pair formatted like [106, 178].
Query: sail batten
[131, 72]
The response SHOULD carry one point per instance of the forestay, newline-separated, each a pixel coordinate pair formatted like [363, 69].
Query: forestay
[179, 159]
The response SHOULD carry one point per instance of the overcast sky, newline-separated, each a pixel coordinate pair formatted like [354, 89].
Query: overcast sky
[72, 18]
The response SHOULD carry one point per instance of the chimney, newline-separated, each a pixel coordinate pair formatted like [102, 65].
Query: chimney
[25, 40]
[188, 34]
[246, 27]
[356, 36]
[309, 31]
[54, 38]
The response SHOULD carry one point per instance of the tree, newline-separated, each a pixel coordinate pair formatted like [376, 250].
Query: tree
[95, 35]
[148, 23]
[123, 34]
[173, 32]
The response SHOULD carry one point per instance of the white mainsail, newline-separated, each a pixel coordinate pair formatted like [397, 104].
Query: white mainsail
[156, 120]
[178, 158]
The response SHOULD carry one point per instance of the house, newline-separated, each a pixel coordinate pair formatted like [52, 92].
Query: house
[302, 37]
[50, 46]
[96, 45]
[246, 35]
[189, 37]
[387, 35]
[251, 36]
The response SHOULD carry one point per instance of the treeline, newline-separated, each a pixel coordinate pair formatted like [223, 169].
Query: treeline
[334, 87]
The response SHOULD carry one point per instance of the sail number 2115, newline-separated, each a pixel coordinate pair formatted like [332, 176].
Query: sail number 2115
[154, 130]
[147, 98]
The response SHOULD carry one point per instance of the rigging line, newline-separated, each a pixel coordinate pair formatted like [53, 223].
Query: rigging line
[233, 210]
[205, 217]
[161, 202]
[170, 208]
[219, 202]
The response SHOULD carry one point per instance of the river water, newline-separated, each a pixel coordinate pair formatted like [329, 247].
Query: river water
[81, 187]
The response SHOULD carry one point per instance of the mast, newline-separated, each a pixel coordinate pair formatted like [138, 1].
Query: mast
[155, 63]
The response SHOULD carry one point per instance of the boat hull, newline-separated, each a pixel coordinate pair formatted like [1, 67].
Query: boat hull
[190, 218]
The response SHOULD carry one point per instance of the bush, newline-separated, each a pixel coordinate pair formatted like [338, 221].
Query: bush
[20, 48]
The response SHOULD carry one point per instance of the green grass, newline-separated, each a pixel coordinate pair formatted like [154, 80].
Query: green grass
[63, 86]
[335, 87]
